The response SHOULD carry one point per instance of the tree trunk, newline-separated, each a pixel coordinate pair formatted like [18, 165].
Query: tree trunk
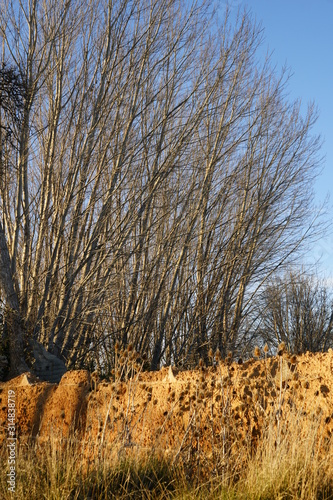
[15, 330]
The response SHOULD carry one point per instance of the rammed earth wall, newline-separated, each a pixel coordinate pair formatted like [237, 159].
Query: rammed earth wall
[173, 412]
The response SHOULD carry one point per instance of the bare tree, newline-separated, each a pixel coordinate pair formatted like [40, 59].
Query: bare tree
[12, 95]
[158, 177]
[297, 309]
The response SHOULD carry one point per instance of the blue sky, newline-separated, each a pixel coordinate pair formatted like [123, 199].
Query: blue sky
[300, 35]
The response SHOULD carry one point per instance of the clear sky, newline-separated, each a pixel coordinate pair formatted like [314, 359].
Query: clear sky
[300, 35]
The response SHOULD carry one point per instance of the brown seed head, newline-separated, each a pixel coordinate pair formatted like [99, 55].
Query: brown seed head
[281, 348]
[218, 355]
[293, 359]
[256, 352]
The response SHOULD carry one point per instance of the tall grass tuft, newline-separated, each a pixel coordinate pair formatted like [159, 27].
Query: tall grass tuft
[58, 473]
[293, 462]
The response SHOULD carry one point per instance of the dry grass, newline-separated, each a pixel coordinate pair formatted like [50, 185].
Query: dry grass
[288, 464]
[53, 473]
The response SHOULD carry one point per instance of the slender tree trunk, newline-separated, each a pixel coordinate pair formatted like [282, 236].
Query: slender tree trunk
[16, 332]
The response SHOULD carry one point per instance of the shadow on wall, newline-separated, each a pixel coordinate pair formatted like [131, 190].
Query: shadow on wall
[47, 366]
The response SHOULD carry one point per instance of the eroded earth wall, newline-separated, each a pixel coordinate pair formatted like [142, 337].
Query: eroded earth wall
[169, 411]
